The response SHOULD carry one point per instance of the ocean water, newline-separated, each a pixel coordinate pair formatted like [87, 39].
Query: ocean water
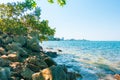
[94, 60]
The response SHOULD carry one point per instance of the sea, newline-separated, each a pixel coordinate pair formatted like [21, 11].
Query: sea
[94, 60]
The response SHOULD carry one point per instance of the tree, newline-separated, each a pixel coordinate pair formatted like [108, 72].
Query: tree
[60, 2]
[23, 18]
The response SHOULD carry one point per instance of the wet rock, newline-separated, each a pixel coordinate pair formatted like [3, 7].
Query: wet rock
[4, 73]
[49, 61]
[52, 54]
[33, 44]
[59, 50]
[73, 76]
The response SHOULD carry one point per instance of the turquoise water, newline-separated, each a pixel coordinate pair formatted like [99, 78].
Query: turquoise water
[94, 60]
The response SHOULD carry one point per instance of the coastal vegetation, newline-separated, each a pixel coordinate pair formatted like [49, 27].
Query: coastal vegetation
[23, 18]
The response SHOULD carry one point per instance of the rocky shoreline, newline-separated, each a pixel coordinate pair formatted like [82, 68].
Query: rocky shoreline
[22, 58]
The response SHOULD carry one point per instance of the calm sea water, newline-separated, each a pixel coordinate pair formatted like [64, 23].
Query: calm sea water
[94, 60]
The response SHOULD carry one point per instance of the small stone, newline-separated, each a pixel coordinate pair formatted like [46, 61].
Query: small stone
[52, 54]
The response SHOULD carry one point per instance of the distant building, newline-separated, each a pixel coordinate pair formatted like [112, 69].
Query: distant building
[52, 38]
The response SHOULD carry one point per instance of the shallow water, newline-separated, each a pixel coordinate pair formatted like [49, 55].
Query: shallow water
[94, 60]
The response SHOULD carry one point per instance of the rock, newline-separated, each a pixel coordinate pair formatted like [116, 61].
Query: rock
[20, 39]
[4, 63]
[4, 73]
[16, 47]
[52, 73]
[2, 51]
[15, 78]
[16, 66]
[52, 54]
[49, 61]
[1, 32]
[7, 40]
[37, 76]
[33, 44]
[73, 76]
[4, 57]
[2, 36]
[59, 50]
[117, 76]
[27, 73]
[13, 57]
[35, 64]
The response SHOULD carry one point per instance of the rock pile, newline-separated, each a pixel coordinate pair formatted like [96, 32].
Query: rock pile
[22, 58]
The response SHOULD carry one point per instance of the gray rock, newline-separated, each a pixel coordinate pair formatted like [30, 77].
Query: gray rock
[27, 73]
[35, 64]
[33, 44]
[52, 54]
[4, 73]
[20, 39]
[4, 63]
[16, 47]
[49, 61]
[7, 40]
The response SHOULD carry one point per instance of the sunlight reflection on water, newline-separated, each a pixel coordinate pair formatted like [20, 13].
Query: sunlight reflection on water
[94, 60]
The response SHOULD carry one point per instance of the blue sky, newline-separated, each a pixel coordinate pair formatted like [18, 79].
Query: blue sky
[88, 19]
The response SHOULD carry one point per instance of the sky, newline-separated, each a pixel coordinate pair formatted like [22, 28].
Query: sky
[83, 19]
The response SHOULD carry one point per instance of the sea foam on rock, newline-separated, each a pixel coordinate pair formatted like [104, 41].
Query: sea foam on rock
[22, 58]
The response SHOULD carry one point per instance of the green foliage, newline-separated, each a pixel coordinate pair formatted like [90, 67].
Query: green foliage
[60, 2]
[22, 18]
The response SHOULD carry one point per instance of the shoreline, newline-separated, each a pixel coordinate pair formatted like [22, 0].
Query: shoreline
[22, 57]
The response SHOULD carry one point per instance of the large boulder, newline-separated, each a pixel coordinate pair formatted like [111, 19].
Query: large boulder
[35, 63]
[49, 61]
[27, 73]
[4, 62]
[33, 44]
[52, 73]
[16, 47]
[13, 57]
[20, 39]
[4, 73]
[16, 66]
